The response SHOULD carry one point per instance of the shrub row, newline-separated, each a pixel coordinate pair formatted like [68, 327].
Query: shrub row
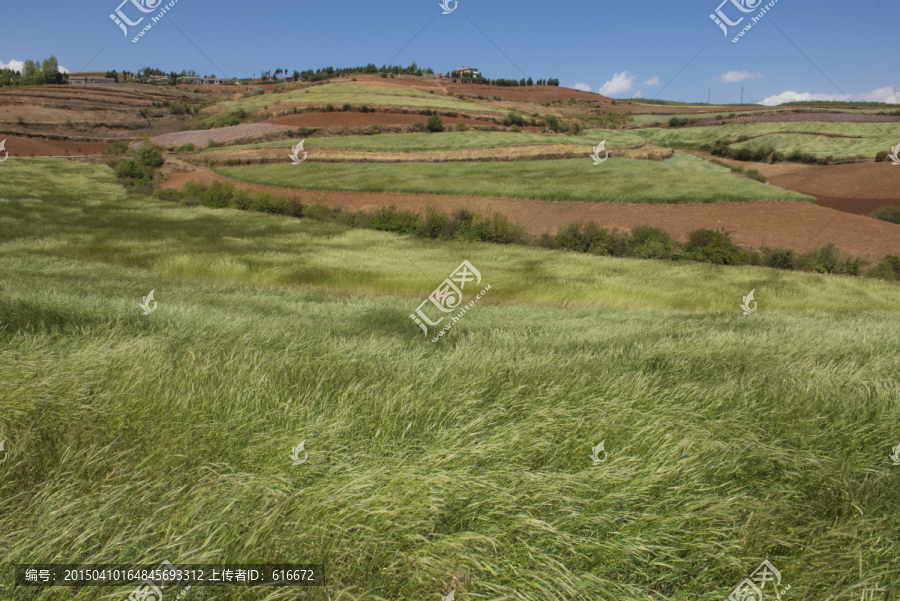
[645, 242]
[703, 245]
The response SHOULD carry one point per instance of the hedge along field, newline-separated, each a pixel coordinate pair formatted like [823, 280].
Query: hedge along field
[458, 140]
[617, 180]
[870, 137]
[730, 439]
[357, 95]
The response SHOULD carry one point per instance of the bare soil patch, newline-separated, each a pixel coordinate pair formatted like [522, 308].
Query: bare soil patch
[18, 146]
[798, 225]
[201, 138]
[857, 188]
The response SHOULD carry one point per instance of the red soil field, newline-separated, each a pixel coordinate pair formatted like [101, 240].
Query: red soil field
[857, 188]
[798, 225]
[39, 147]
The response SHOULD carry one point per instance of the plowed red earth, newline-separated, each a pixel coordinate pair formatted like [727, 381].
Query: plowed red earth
[798, 225]
[857, 188]
[39, 147]
[350, 119]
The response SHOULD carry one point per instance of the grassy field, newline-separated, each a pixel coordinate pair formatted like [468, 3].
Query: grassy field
[134, 438]
[618, 180]
[357, 95]
[647, 119]
[460, 140]
[867, 138]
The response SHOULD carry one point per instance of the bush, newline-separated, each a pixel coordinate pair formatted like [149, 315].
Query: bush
[677, 122]
[881, 156]
[887, 269]
[293, 208]
[389, 219]
[143, 113]
[513, 119]
[266, 203]
[116, 147]
[213, 144]
[710, 246]
[189, 147]
[347, 107]
[515, 129]
[462, 127]
[754, 174]
[650, 243]
[130, 169]
[375, 130]
[891, 214]
[779, 258]
[170, 194]
[435, 124]
[219, 195]
[329, 108]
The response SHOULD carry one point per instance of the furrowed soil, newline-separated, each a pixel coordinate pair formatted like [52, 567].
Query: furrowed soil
[18, 146]
[797, 225]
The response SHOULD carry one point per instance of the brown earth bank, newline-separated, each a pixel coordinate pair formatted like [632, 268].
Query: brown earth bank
[18, 146]
[798, 225]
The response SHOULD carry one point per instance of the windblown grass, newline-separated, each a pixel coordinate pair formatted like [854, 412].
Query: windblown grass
[618, 180]
[134, 439]
[459, 140]
[785, 137]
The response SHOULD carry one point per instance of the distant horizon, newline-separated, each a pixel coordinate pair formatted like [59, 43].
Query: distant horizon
[618, 51]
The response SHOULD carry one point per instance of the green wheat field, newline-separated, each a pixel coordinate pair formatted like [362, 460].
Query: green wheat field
[136, 438]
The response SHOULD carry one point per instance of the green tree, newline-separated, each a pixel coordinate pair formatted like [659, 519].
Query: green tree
[435, 124]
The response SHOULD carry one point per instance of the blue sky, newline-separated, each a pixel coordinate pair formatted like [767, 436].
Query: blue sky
[827, 48]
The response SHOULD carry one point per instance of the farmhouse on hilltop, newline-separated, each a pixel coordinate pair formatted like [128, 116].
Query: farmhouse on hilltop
[467, 70]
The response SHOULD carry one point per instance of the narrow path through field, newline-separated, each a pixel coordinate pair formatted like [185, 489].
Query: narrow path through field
[798, 225]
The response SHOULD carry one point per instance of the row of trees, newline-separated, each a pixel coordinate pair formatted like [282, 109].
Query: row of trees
[34, 73]
[468, 78]
[370, 69]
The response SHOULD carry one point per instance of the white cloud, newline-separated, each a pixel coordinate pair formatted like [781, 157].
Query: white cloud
[735, 76]
[638, 94]
[619, 84]
[12, 64]
[653, 81]
[582, 86]
[19, 65]
[879, 95]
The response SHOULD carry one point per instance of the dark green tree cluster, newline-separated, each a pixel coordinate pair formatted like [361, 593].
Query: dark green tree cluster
[34, 73]
[479, 78]
[370, 69]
